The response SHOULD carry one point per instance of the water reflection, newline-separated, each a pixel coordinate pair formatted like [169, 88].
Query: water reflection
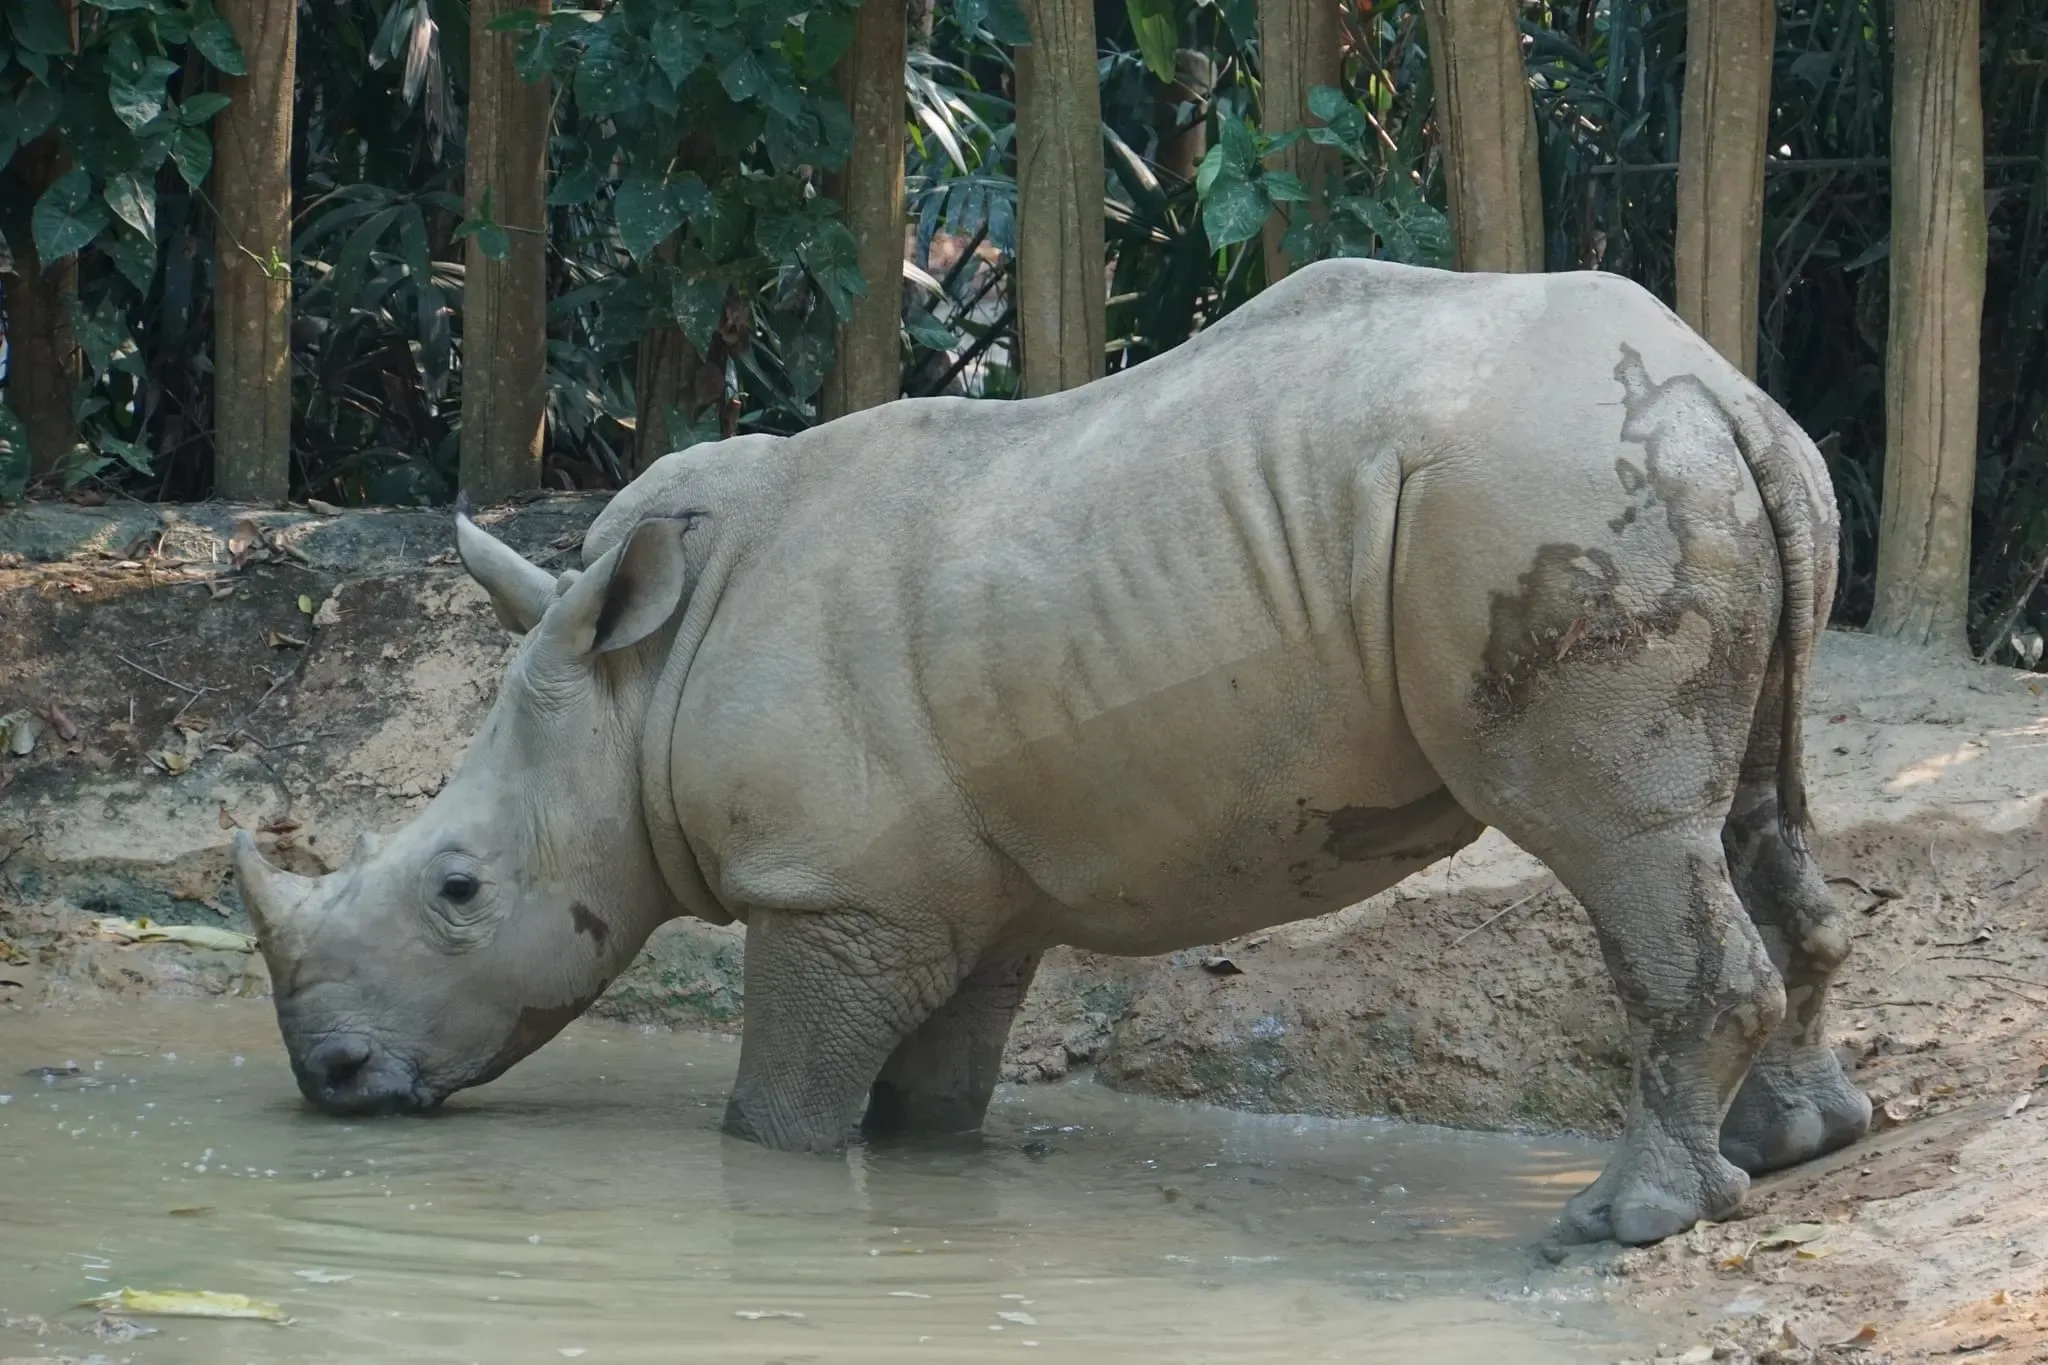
[586, 1207]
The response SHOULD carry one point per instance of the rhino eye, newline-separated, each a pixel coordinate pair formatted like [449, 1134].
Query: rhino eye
[459, 888]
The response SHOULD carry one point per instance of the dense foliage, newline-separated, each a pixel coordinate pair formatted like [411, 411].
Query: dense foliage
[692, 150]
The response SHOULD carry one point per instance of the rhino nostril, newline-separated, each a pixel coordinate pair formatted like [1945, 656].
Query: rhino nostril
[337, 1060]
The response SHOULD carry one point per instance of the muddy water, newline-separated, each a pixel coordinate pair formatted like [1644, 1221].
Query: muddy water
[585, 1208]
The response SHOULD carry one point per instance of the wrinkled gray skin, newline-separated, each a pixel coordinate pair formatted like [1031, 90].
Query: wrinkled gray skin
[1238, 637]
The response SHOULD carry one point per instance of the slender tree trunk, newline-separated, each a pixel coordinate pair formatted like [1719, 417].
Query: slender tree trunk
[668, 375]
[1488, 132]
[1300, 46]
[504, 303]
[1721, 170]
[1937, 314]
[252, 248]
[1181, 149]
[1061, 285]
[869, 368]
[42, 355]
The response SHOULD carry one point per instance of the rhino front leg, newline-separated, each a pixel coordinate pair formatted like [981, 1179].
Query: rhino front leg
[940, 1078]
[829, 997]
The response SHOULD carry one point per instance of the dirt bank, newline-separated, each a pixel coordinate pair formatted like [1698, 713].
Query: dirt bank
[319, 674]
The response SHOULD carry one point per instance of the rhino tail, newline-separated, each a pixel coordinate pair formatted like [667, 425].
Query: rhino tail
[1798, 497]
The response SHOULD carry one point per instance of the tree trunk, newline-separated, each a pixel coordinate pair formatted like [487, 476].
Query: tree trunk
[1937, 313]
[252, 249]
[1721, 148]
[1300, 46]
[667, 376]
[1488, 133]
[504, 303]
[1061, 286]
[868, 370]
[1181, 149]
[42, 355]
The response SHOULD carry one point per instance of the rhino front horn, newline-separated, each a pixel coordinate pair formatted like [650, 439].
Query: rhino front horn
[273, 898]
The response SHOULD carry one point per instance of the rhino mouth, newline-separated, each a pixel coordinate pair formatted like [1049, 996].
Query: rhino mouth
[350, 1075]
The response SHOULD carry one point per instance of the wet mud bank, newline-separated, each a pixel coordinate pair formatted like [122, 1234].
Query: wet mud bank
[309, 675]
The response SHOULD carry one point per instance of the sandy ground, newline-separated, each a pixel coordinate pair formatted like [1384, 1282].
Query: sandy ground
[1472, 994]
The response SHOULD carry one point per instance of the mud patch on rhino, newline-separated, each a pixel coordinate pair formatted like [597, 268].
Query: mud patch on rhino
[536, 1025]
[587, 923]
[1569, 606]
[1423, 830]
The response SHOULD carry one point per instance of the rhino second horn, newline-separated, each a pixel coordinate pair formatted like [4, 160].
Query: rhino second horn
[273, 898]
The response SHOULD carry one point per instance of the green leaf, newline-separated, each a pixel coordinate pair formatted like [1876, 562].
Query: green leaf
[39, 26]
[807, 352]
[1410, 229]
[1002, 20]
[1240, 148]
[13, 455]
[67, 217]
[201, 107]
[216, 42]
[136, 457]
[133, 198]
[1213, 162]
[828, 33]
[578, 186]
[833, 259]
[139, 97]
[133, 257]
[1233, 212]
[1158, 36]
[677, 45]
[646, 213]
[1284, 187]
[113, 5]
[697, 305]
[926, 330]
[35, 109]
[743, 77]
[193, 151]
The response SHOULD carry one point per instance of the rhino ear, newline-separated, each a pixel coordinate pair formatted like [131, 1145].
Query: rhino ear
[520, 590]
[628, 594]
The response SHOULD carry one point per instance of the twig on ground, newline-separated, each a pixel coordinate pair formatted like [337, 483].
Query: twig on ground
[1497, 916]
[150, 672]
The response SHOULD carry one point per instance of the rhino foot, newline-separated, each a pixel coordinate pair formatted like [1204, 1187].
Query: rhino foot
[1649, 1201]
[1793, 1110]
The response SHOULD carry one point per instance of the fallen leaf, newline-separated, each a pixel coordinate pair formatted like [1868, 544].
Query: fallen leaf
[278, 640]
[329, 613]
[191, 935]
[19, 731]
[66, 728]
[187, 1303]
[278, 824]
[2012, 1110]
[217, 590]
[1221, 966]
[245, 542]
[1573, 633]
[228, 821]
[305, 605]
[445, 557]
[325, 509]
[1791, 1235]
[170, 761]
[1976, 1344]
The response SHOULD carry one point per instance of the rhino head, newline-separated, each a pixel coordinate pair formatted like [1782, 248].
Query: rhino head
[446, 952]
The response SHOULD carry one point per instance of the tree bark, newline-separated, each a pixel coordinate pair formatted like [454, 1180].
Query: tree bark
[1937, 314]
[1061, 286]
[1722, 141]
[1488, 132]
[868, 370]
[252, 248]
[504, 303]
[42, 355]
[1300, 46]
[1181, 149]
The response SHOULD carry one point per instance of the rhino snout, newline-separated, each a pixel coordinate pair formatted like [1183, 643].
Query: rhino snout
[348, 1073]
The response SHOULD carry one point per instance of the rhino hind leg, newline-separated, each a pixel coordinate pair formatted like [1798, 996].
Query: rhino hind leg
[940, 1078]
[829, 996]
[1796, 1103]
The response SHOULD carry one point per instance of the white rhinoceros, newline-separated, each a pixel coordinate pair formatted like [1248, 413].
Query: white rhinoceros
[1236, 637]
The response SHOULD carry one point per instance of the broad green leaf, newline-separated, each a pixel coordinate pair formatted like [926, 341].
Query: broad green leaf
[1002, 20]
[1233, 212]
[697, 305]
[139, 97]
[39, 26]
[1213, 162]
[1158, 36]
[136, 457]
[201, 107]
[926, 330]
[1284, 187]
[833, 259]
[807, 352]
[692, 197]
[67, 217]
[646, 213]
[193, 151]
[13, 455]
[114, 5]
[578, 186]
[677, 45]
[35, 109]
[1240, 148]
[743, 77]
[493, 241]
[828, 33]
[133, 198]
[216, 42]
[133, 257]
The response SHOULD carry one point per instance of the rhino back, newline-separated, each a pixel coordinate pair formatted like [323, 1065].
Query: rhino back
[1120, 653]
